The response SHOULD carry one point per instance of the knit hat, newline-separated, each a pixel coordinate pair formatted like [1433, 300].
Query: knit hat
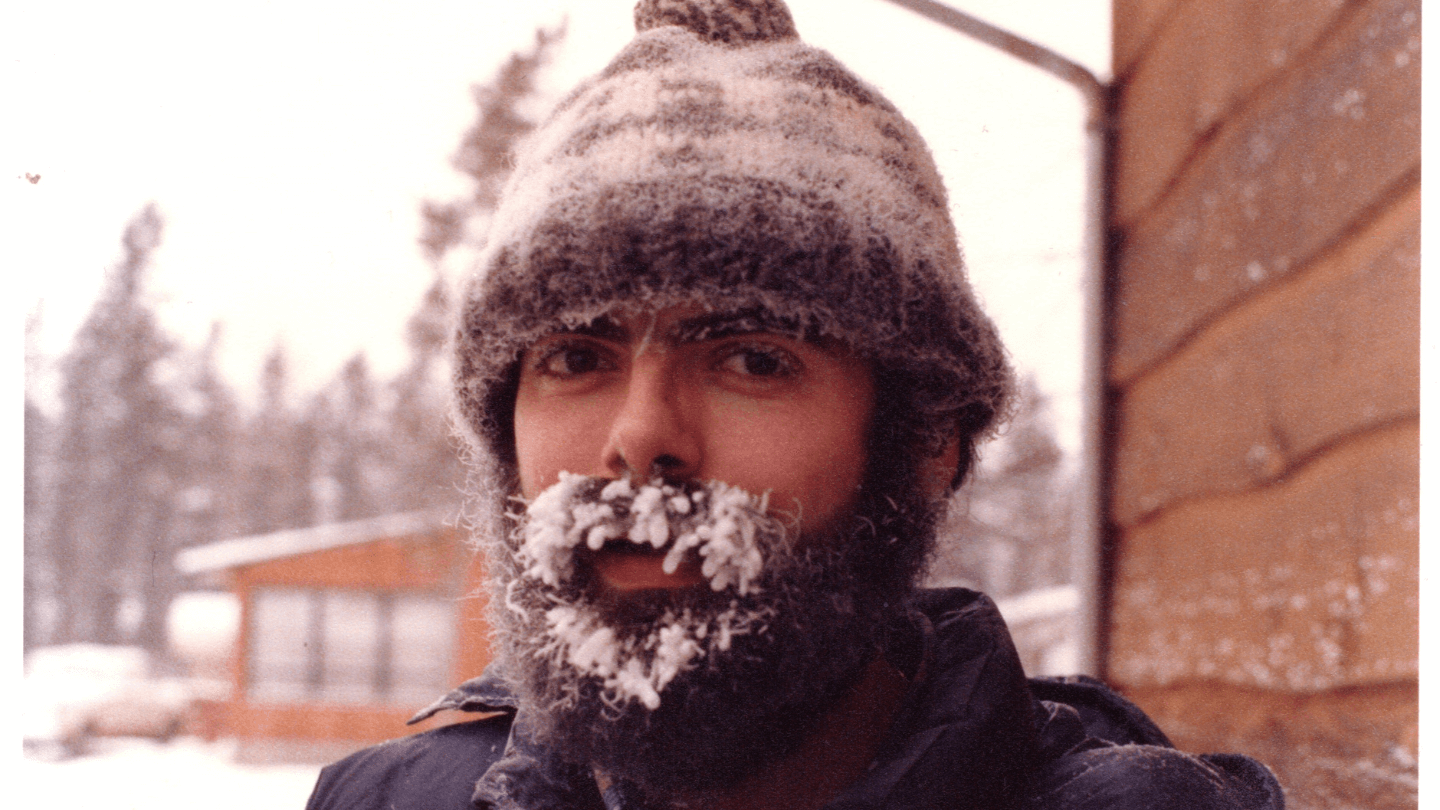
[719, 161]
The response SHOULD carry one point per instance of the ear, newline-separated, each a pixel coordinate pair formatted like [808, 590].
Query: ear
[937, 473]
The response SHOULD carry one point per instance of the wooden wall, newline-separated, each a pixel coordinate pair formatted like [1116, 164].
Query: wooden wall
[1264, 372]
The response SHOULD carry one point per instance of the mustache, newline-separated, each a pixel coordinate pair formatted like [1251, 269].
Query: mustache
[731, 530]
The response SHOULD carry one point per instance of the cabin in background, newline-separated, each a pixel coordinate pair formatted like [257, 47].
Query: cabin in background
[346, 630]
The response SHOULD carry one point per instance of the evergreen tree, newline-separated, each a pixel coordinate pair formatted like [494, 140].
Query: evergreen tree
[280, 457]
[485, 150]
[37, 432]
[118, 434]
[352, 438]
[200, 467]
[209, 463]
[36, 428]
[1010, 528]
[423, 453]
[325, 489]
[1031, 481]
[423, 457]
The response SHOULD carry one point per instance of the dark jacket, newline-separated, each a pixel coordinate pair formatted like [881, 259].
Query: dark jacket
[972, 732]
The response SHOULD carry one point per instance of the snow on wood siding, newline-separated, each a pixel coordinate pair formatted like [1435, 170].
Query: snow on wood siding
[1309, 155]
[1264, 369]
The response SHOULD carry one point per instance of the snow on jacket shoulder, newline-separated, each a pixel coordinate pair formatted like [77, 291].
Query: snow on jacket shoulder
[971, 733]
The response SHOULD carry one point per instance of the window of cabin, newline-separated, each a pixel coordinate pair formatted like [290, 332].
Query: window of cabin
[280, 654]
[422, 646]
[349, 647]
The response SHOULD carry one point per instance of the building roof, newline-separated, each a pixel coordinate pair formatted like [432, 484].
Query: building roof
[292, 542]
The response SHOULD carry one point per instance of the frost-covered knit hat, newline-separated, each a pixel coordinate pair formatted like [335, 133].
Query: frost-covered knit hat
[720, 161]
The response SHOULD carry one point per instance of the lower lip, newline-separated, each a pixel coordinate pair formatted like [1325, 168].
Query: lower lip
[626, 571]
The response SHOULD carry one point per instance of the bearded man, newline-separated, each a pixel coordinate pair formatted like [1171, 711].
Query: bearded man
[720, 370]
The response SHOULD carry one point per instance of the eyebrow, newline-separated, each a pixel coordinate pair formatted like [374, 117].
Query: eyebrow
[709, 326]
[716, 325]
[603, 327]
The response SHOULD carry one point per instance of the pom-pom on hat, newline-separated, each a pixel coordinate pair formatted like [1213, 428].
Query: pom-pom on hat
[720, 161]
[734, 23]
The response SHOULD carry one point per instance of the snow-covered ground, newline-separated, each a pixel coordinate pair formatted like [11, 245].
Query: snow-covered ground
[136, 774]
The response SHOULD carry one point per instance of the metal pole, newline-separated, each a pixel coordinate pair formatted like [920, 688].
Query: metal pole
[1087, 544]
[1094, 90]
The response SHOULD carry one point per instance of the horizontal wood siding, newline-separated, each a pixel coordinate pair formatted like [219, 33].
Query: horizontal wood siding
[1263, 368]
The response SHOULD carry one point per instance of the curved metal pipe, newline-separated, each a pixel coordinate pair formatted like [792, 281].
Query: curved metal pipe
[1088, 544]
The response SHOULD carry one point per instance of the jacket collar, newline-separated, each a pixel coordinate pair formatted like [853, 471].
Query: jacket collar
[964, 736]
[487, 693]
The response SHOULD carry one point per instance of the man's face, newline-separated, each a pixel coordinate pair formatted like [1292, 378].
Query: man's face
[738, 452]
[694, 397]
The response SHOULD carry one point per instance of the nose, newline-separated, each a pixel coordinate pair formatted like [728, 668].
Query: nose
[652, 434]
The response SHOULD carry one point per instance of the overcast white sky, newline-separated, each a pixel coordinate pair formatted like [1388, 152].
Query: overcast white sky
[289, 145]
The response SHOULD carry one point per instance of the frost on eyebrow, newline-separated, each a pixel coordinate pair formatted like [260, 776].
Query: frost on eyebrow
[603, 327]
[724, 324]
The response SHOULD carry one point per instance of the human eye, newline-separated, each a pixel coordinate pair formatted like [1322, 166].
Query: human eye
[758, 360]
[570, 358]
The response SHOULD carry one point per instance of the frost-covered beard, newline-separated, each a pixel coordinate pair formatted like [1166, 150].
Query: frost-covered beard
[683, 691]
[724, 525]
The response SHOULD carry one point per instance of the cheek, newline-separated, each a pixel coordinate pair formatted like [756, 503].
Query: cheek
[812, 459]
[833, 478]
[551, 439]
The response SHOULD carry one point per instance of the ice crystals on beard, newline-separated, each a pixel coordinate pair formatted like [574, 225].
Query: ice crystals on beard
[720, 523]
[638, 668]
[716, 521]
[547, 551]
[651, 525]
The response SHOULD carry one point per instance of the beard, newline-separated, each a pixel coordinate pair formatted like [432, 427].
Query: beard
[685, 691]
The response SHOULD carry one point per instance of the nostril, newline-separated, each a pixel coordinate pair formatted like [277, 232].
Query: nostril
[663, 465]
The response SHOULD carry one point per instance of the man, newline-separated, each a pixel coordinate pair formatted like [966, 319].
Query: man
[720, 370]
